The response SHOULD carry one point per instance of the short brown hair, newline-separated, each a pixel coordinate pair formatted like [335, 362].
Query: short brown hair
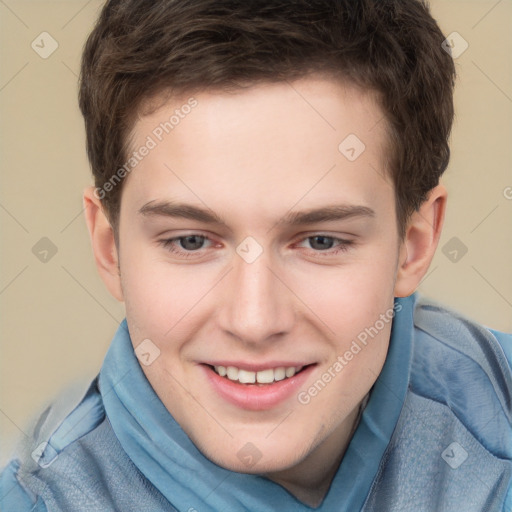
[140, 48]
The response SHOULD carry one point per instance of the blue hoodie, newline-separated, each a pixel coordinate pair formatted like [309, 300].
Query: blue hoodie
[435, 436]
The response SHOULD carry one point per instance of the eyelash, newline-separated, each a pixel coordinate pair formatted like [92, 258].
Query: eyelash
[343, 245]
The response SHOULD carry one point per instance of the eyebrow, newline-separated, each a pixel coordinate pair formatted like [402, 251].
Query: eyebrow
[311, 216]
[327, 213]
[180, 210]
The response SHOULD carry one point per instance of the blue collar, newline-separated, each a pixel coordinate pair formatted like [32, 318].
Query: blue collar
[170, 461]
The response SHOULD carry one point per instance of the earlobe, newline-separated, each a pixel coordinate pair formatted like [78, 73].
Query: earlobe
[103, 243]
[420, 242]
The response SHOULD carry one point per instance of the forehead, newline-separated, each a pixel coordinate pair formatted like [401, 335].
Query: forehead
[266, 146]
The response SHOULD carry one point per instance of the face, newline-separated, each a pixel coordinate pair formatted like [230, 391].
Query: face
[256, 247]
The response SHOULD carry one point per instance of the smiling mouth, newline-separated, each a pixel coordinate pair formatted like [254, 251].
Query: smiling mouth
[262, 377]
[256, 387]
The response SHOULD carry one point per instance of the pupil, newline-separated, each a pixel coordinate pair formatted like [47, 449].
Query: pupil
[191, 242]
[325, 242]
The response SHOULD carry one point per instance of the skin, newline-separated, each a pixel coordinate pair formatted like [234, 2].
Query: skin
[252, 157]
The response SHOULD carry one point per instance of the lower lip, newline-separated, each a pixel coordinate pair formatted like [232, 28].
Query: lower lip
[254, 397]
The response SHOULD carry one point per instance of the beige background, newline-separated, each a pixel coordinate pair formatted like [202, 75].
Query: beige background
[57, 317]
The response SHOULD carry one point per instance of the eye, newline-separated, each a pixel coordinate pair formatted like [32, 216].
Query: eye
[321, 242]
[193, 245]
[185, 245]
[325, 244]
[191, 242]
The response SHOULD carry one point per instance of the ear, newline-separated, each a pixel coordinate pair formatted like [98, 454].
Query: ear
[103, 243]
[420, 242]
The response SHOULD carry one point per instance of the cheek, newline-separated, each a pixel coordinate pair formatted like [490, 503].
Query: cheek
[163, 300]
[351, 297]
[150, 296]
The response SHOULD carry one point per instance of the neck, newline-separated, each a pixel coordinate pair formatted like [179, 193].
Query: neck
[310, 479]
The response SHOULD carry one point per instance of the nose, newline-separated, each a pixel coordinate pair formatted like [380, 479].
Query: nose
[257, 307]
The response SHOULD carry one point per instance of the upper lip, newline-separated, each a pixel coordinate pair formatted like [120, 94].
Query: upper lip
[258, 367]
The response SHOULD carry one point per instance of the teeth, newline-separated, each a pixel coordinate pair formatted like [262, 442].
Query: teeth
[265, 376]
[232, 373]
[246, 377]
[262, 377]
[290, 372]
[280, 373]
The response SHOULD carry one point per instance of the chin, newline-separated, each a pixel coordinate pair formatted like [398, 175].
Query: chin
[257, 457]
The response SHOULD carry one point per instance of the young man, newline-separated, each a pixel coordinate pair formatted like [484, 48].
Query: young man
[266, 202]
